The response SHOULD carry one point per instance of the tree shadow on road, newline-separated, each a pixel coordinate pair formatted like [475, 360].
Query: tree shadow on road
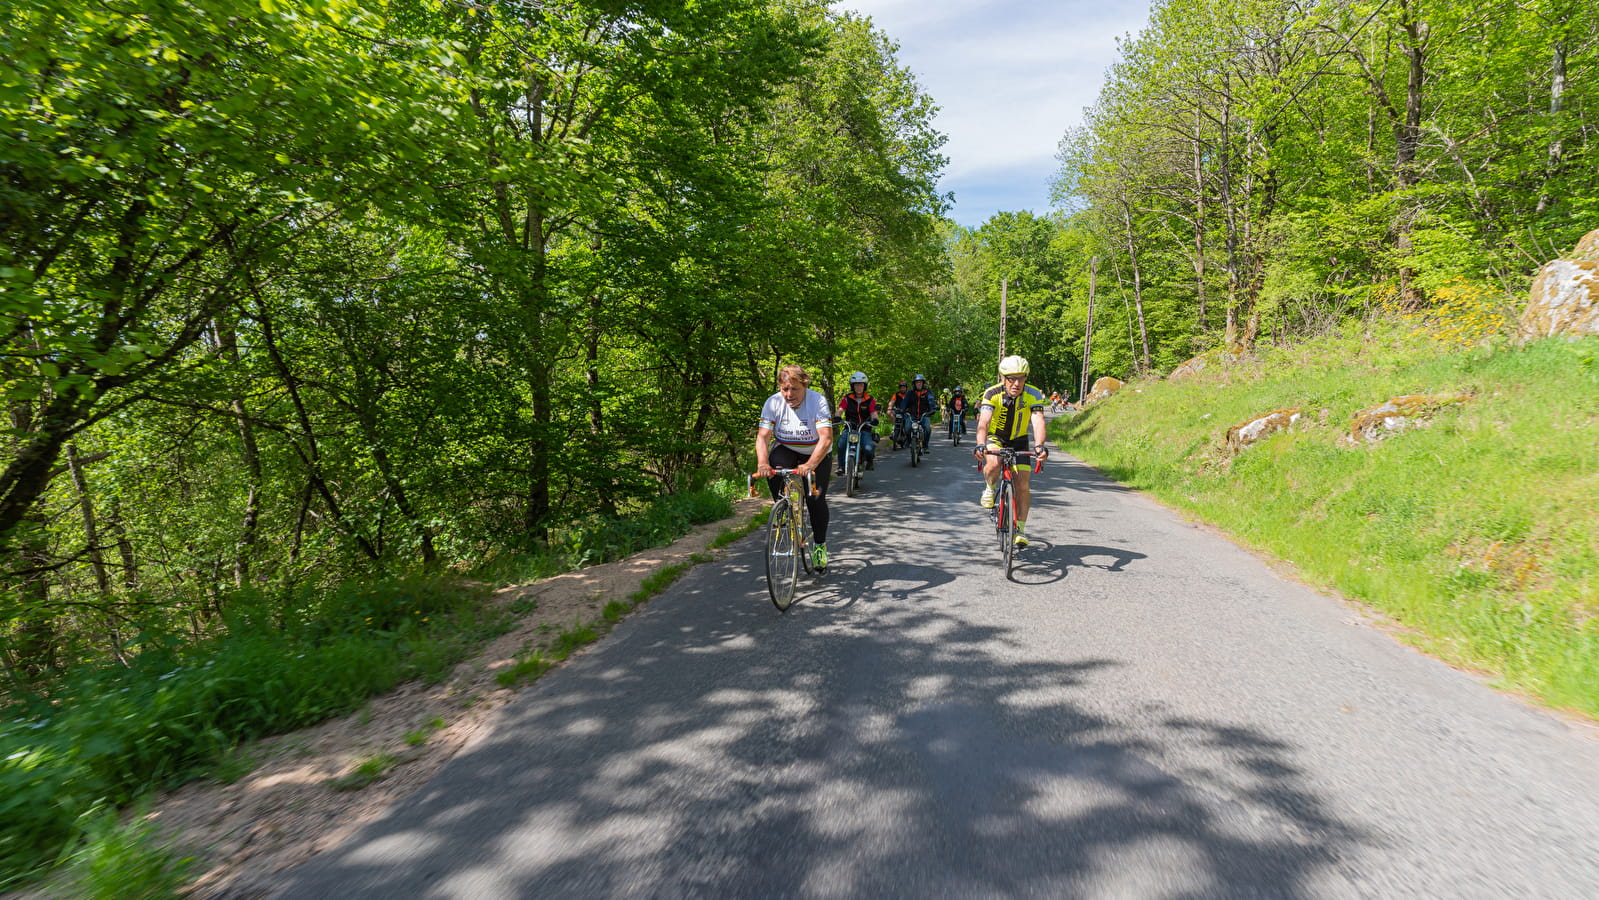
[710, 747]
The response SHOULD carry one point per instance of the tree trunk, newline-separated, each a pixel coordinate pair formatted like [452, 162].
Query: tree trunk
[227, 339]
[1408, 142]
[91, 530]
[1088, 328]
[307, 448]
[1557, 104]
[1230, 213]
[1138, 287]
[1199, 222]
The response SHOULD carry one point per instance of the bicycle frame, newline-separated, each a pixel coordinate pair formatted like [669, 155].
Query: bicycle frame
[788, 538]
[1004, 511]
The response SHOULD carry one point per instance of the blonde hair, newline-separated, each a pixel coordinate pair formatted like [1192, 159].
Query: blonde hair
[794, 373]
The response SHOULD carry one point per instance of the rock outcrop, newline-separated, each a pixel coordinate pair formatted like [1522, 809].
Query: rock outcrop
[1204, 361]
[1564, 299]
[1242, 435]
[1398, 415]
[1102, 389]
[1189, 369]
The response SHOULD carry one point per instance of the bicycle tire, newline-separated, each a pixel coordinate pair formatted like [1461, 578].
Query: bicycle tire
[802, 526]
[916, 446]
[852, 462]
[782, 556]
[1007, 527]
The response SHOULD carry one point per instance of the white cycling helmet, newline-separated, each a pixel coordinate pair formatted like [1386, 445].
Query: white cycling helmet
[858, 378]
[919, 378]
[1013, 365]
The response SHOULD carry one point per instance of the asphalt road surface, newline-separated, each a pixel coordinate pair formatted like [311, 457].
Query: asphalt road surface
[1145, 711]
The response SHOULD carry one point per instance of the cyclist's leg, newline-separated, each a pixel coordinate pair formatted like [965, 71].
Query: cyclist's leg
[1023, 481]
[927, 429]
[868, 447]
[838, 447]
[817, 505]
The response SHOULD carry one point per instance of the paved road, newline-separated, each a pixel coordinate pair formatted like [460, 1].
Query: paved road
[1147, 712]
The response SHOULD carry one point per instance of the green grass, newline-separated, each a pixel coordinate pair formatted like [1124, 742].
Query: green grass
[729, 535]
[118, 861]
[367, 771]
[1478, 533]
[104, 737]
[658, 581]
[595, 540]
[419, 736]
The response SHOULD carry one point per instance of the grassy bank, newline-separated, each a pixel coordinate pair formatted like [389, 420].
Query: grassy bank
[89, 741]
[1479, 533]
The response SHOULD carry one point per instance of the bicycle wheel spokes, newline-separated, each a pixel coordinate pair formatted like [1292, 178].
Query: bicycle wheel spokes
[782, 555]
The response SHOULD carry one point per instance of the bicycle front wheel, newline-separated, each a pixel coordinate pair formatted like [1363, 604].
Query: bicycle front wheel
[916, 448]
[1007, 525]
[782, 555]
[852, 462]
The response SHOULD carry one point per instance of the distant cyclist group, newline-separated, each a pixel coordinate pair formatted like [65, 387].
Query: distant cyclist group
[796, 436]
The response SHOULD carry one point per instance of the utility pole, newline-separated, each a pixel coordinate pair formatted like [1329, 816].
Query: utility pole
[1004, 284]
[1088, 330]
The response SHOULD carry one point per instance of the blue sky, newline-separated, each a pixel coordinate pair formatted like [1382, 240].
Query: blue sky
[1010, 76]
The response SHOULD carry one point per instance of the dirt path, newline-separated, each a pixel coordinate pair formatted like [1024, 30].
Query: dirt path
[284, 811]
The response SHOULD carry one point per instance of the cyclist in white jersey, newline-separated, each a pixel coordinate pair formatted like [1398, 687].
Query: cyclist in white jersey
[796, 432]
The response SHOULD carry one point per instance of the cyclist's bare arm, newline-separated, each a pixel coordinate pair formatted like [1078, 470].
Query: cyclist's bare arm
[983, 419]
[763, 439]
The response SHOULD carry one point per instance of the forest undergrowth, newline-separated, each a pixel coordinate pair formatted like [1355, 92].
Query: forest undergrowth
[90, 741]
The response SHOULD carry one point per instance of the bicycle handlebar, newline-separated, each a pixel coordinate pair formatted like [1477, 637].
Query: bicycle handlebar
[1010, 456]
[810, 480]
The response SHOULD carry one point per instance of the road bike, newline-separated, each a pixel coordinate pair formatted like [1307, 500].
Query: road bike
[913, 428]
[854, 446]
[788, 537]
[957, 427]
[1004, 511]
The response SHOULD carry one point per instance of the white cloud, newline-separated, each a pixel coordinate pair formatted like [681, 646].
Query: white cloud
[1010, 77]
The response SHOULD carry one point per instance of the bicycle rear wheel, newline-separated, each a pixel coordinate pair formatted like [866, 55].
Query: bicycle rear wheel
[782, 555]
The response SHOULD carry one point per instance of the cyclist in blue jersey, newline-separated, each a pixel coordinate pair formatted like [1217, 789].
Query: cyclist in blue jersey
[796, 432]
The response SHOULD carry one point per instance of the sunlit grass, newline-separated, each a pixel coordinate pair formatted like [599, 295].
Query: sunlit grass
[1480, 532]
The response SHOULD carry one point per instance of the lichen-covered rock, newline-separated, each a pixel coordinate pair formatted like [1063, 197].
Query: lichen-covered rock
[1243, 434]
[1213, 357]
[1102, 389]
[1564, 299]
[1588, 247]
[1189, 369]
[1398, 415]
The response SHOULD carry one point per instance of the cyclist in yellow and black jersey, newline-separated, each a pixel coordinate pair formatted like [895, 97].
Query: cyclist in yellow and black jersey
[1011, 414]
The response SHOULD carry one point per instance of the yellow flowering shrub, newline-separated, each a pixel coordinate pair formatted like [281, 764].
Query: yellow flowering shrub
[1459, 314]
